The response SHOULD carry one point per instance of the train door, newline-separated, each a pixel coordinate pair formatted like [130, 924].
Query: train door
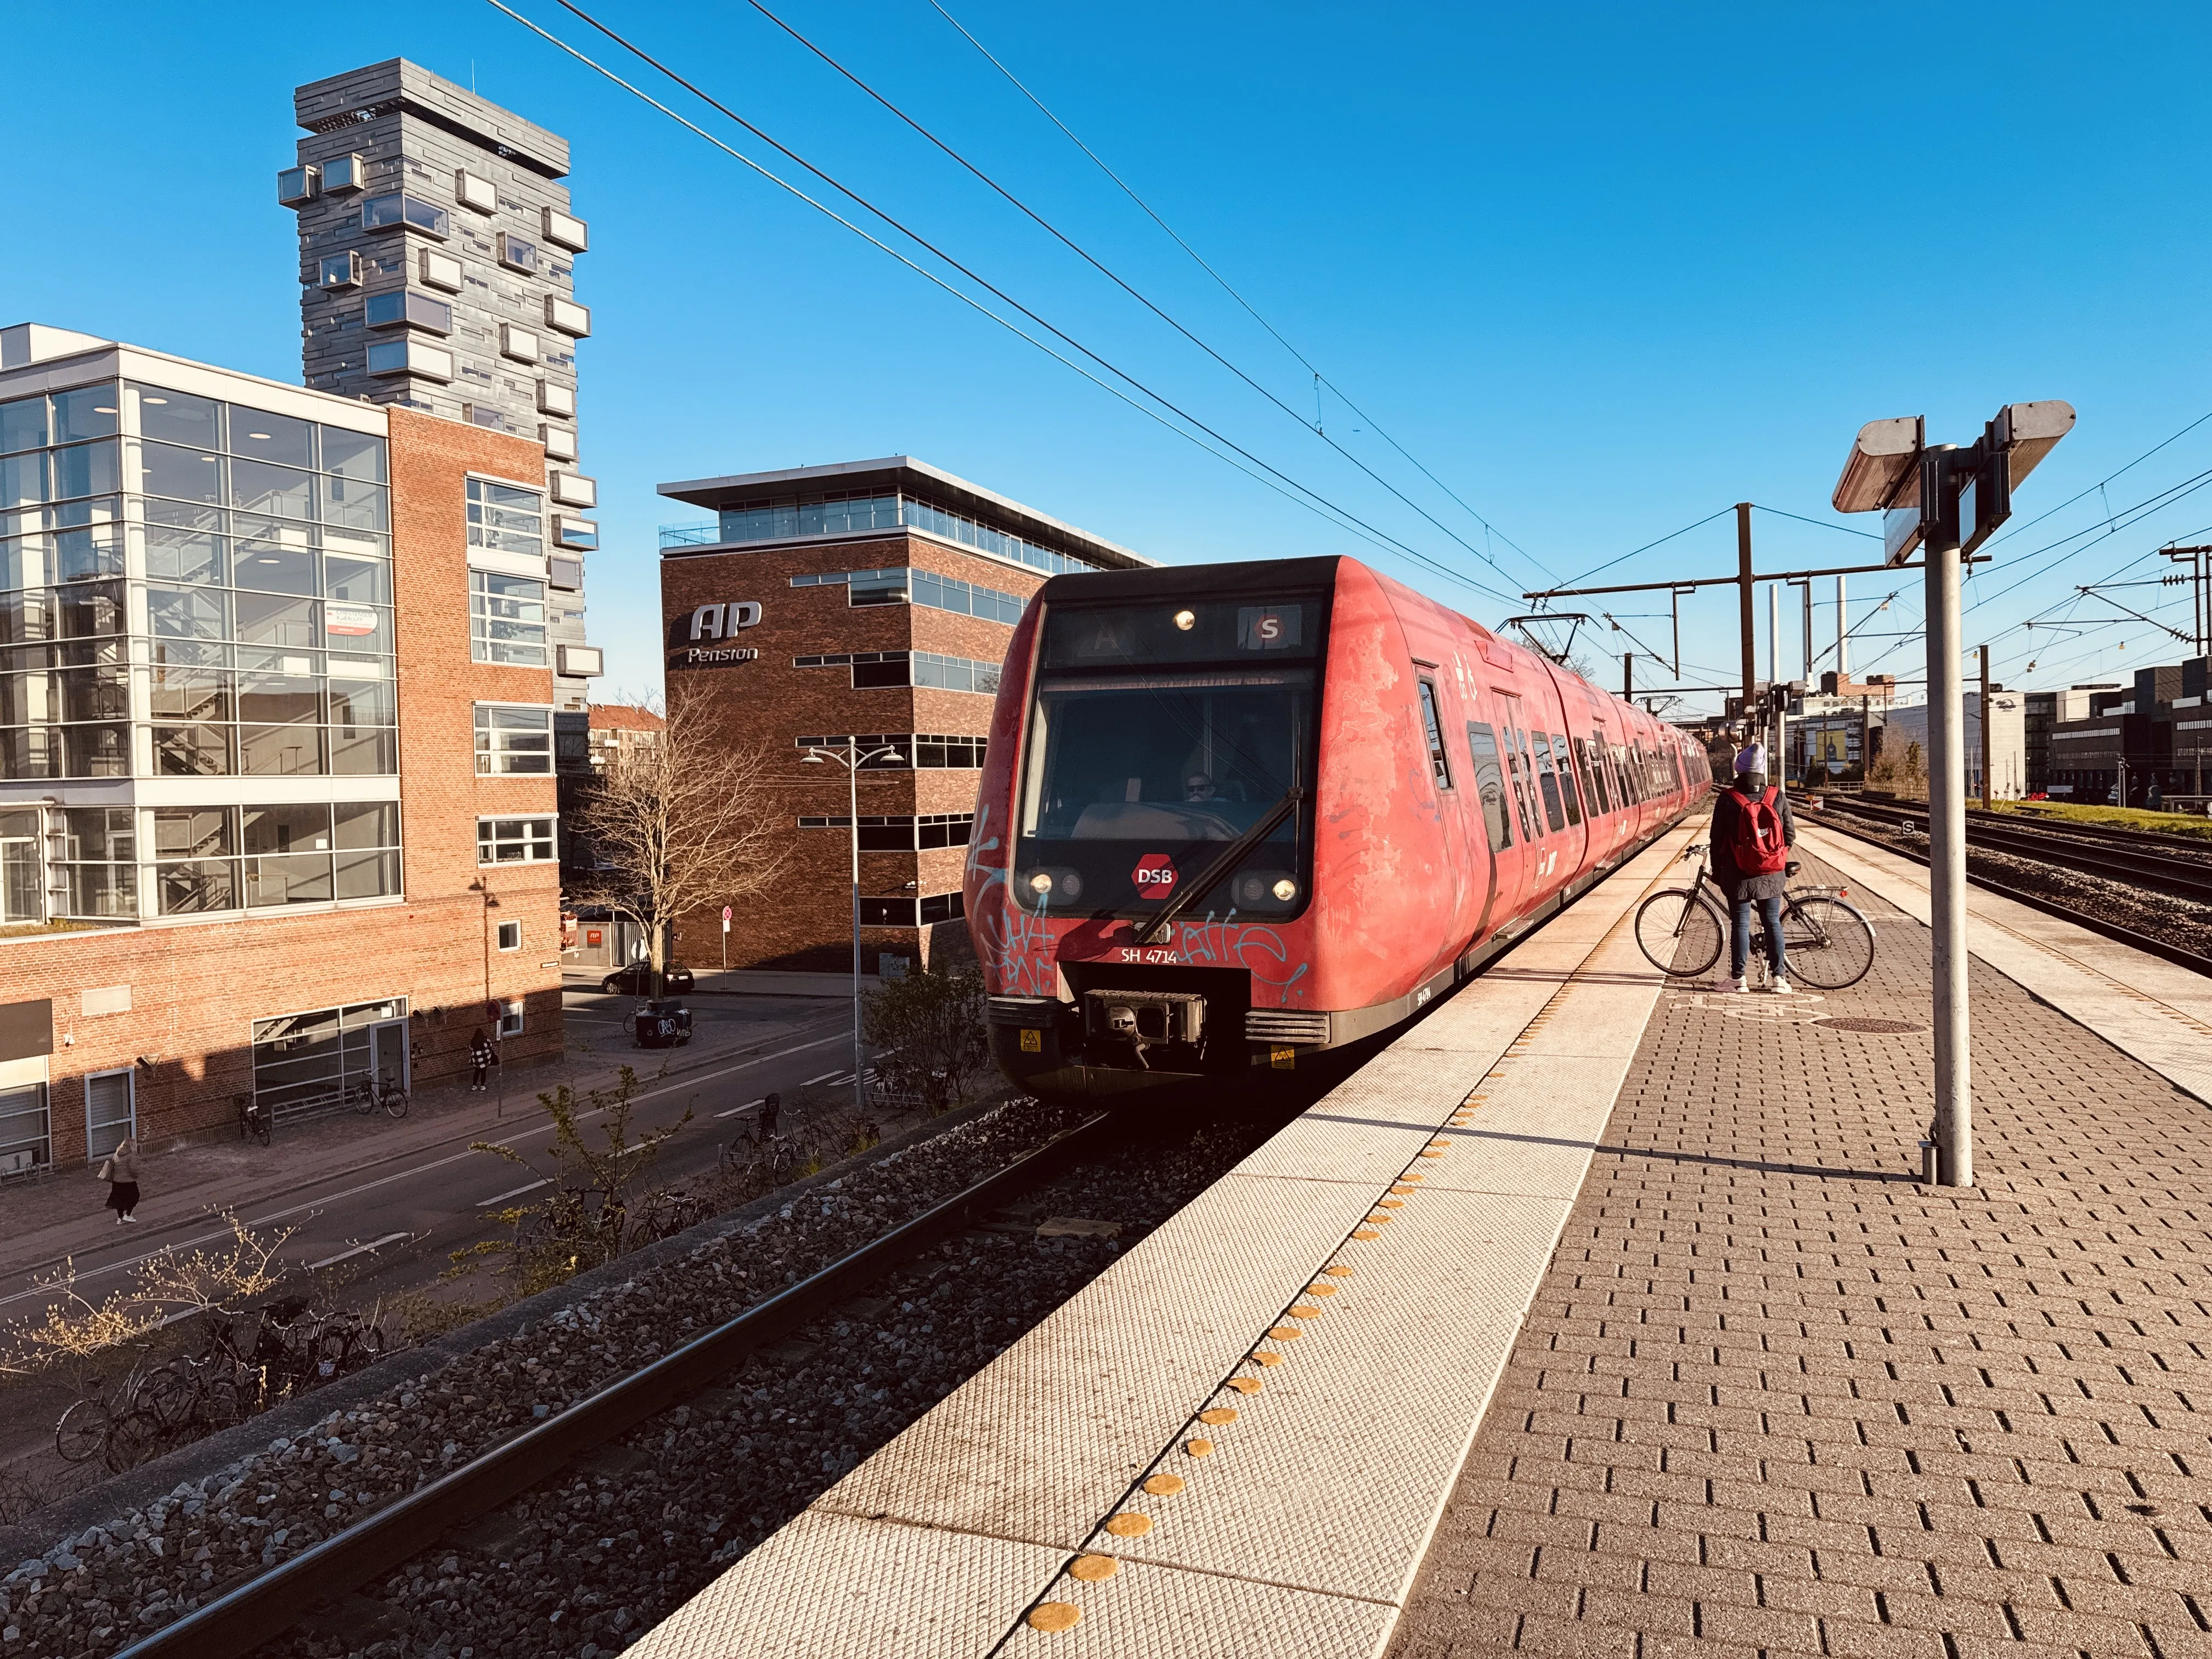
[1496, 786]
[1459, 852]
[1541, 819]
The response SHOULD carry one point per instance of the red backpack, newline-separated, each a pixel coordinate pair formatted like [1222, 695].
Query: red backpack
[1758, 846]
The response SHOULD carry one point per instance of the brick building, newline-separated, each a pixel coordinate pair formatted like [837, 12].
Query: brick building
[868, 600]
[277, 799]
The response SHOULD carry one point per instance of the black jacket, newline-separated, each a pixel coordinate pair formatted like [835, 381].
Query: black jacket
[1726, 808]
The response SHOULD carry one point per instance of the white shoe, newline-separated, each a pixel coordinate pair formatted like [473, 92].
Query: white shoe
[1779, 986]
[1737, 986]
[132, 1219]
[118, 1220]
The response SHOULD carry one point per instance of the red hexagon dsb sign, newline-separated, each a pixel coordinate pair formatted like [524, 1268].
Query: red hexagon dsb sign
[1155, 875]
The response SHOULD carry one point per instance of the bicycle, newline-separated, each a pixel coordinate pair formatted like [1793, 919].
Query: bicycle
[253, 1118]
[1825, 941]
[372, 1092]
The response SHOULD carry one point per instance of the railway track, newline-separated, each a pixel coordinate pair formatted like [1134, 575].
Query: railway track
[2157, 871]
[1831, 818]
[273, 1602]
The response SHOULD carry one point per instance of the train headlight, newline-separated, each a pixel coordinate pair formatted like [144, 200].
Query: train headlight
[1040, 882]
[1286, 889]
[1186, 620]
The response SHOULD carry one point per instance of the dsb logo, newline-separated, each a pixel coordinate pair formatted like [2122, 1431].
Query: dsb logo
[1155, 874]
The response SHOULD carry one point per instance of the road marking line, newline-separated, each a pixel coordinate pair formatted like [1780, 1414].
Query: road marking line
[500, 1197]
[811, 1081]
[358, 1249]
[409, 1174]
[747, 1107]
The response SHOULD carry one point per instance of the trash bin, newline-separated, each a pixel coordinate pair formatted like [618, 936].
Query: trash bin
[663, 1025]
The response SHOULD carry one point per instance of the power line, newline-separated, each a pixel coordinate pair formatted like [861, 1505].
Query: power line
[1252, 311]
[1113, 276]
[1819, 524]
[2014, 530]
[1372, 534]
[1575, 581]
[1325, 509]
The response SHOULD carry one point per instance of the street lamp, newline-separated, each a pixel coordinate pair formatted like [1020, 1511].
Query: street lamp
[1951, 499]
[852, 759]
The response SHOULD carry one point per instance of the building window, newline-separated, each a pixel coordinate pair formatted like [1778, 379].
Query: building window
[554, 398]
[344, 172]
[514, 741]
[518, 344]
[876, 669]
[912, 912]
[439, 270]
[516, 254]
[908, 832]
[514, 841]
[410, 309]
[798, 517]
[510, 1018]
[564, 229]
[928, 751]
[297, 184]
[26, 1141]
[110, 1112]
[303, 1062]
[901, 586]
[99, 873]
[341, 270]
[506, 518]
[507, 619]
[406, 212]
[510, 936]
[471, 191]
[409, 357]
[567, 317]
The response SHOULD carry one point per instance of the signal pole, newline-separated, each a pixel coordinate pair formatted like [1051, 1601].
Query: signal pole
[1744, 609]
[2200, 600]
[1985, 728]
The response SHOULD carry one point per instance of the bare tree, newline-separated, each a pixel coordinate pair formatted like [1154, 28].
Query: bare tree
[679, 824]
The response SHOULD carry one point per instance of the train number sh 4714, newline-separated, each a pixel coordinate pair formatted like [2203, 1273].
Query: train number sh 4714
[1233, 812]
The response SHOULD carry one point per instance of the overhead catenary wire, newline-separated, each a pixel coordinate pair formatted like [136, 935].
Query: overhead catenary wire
[1342, 517]
[1228, 288]
[1111, 276]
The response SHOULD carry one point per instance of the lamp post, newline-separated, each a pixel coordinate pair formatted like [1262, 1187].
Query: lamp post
[1948, 499]
[852, 759]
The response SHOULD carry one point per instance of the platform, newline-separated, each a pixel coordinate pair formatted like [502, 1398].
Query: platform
[1774, 1397]
[1251, 1421]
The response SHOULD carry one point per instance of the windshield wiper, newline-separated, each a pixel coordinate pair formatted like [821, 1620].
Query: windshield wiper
[1231, 856]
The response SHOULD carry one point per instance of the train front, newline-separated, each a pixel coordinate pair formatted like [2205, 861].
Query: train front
[1138, 881]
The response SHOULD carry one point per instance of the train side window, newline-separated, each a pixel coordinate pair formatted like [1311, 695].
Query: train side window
[1516, 774]
[1594, 768]
[1548, 782]
[1439, 762]
[1568, 794]
[1490, 785]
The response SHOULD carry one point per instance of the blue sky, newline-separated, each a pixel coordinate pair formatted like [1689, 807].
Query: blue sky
[1603, 270]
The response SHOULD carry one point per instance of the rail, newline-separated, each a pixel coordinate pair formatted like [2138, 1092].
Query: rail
[2173, 874]
[1827, 819]
[270, 1603]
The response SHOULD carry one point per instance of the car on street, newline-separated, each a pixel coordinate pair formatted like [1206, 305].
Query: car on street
[636, 980]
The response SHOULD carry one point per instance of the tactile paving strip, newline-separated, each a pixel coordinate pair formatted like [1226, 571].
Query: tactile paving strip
[838, 1584]
[1281, 1542]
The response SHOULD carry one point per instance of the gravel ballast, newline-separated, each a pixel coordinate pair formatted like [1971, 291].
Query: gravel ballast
[586, 1563]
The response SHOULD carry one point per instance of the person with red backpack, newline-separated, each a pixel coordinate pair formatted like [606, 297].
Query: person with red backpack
[1753, 833]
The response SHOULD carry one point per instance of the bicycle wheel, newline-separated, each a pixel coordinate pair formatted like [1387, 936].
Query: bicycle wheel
[169, 1394]
[395, 1102]
[131, 1439]
[1826, 943]
[81, 1435]
[1678, 932]
[362, 1099]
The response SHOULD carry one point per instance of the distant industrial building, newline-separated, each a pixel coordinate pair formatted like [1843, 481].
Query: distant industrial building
[2110, 743]
[1902, 728]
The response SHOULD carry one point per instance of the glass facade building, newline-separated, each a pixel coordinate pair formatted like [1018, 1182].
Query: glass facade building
[192, 589]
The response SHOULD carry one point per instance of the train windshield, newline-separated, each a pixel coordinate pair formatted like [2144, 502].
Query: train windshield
[1160, 735]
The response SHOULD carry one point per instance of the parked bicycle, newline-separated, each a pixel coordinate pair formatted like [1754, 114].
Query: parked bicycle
[372, 1092]
[1827, 943]
[253, 1118]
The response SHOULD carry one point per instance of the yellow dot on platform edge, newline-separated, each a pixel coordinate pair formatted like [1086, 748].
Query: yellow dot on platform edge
[1285, 1333]
[1305, 1310]
[1267, 1359]
[1091, 1569]
[1415, 1176]
[1129, 1525]
[1337, 1270]
[1432, 1152]
[1321, 1290]
[1219, 1414]
[1245, 1384]
[1199, 1448]
[1366, 1232]
[1164, 1486]
[1054, 1615]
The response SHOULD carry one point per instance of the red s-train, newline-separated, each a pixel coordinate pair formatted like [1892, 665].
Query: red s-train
[1235, 814]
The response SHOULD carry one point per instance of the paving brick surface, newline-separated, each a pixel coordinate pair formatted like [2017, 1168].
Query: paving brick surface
[1774, 1397]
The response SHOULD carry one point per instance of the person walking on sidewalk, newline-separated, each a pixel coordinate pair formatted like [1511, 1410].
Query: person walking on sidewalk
[120, 1172]
[482, 1058]
[1753, 833]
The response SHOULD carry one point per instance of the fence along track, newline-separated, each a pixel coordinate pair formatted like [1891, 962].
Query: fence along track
[271, 1603]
